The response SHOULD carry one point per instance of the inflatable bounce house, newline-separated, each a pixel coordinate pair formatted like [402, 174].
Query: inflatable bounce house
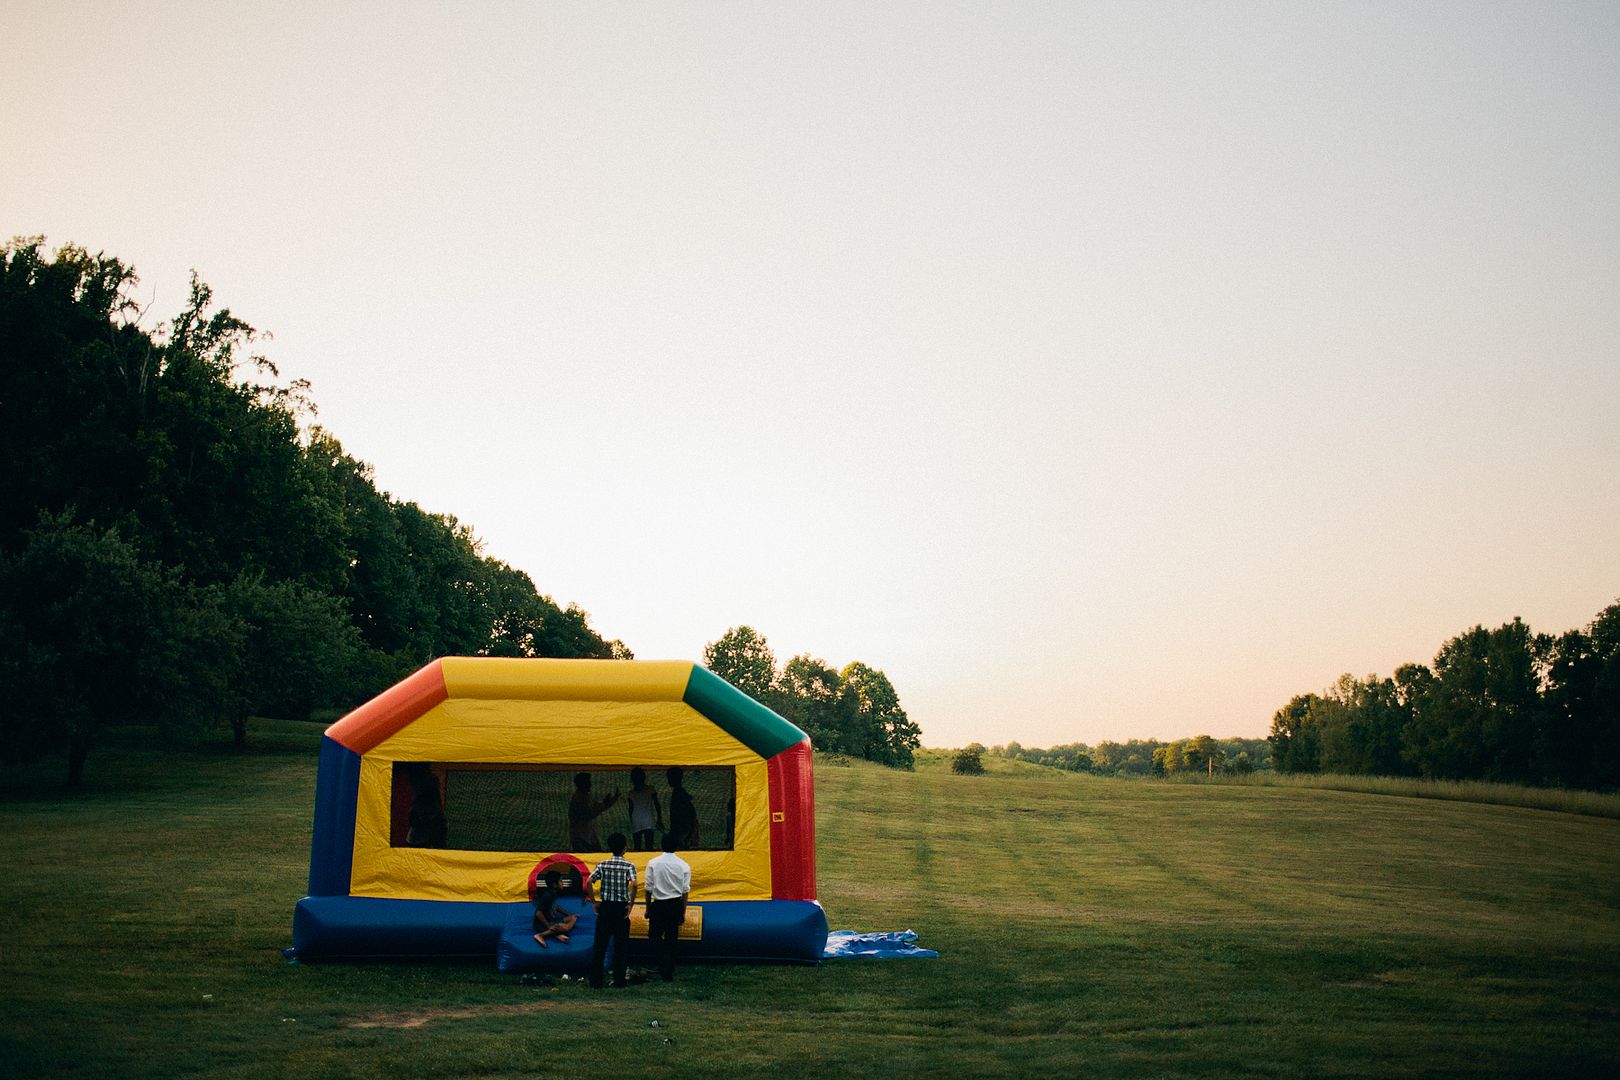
[441, 803]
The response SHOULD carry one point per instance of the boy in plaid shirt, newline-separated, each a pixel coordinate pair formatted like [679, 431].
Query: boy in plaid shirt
[618, 879]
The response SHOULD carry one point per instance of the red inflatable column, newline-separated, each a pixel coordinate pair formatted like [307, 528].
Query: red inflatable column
[793, 824]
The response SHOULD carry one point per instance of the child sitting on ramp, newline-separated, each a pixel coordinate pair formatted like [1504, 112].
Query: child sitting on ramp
[550, 921]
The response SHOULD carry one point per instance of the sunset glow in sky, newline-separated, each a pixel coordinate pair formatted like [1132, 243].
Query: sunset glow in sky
[1095, 370]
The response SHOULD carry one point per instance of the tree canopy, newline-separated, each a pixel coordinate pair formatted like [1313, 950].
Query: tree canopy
[1502, 704]
[855, 711]
[1147, 757]
[180, 545]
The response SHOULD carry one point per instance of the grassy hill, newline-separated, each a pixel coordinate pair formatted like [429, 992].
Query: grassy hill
[1087, 927]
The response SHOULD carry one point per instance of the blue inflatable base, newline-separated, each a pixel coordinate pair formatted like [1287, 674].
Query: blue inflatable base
[358, 927]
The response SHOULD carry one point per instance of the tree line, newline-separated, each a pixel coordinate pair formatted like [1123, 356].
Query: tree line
[1147, 757]
[854, 710]
[178, 545]
[1505, 705]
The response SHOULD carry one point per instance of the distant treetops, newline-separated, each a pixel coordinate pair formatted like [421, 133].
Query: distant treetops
[854, 711]
[1147, 757]
[1504, 705]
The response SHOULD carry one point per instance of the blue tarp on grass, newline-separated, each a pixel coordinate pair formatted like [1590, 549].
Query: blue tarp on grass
[884, 945]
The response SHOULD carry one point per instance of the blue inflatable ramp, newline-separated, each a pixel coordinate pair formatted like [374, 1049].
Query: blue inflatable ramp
[518, 951]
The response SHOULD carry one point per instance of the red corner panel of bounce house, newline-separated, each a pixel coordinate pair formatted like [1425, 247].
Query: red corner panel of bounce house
[793, 824]
[464, 725]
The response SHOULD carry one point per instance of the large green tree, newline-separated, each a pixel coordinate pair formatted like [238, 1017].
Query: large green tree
[525, 623]
[743, 657]
[1204, 754]
[1199, 754]
[1605, 754]
[887, 734]
[811, 694]
[299, 649]
[1579, 741]
[855, 711]
[1296, 742]
[1360, 723]
[227, 485]
[93, 634]
[74, 379]
[1478, 718]
[165, 515]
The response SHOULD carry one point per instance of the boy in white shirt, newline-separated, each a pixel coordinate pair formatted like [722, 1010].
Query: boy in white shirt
[669, 882]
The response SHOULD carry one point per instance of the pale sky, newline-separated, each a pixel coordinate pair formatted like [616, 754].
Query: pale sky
[1095, 370]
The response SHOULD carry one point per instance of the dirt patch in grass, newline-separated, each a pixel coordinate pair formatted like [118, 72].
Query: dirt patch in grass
[416, 1018]
[1381, 980]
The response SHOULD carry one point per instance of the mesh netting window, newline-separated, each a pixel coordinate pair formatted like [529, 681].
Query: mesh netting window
[472, 807]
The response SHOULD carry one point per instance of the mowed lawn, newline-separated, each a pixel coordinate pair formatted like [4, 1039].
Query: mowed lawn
[1086, 927]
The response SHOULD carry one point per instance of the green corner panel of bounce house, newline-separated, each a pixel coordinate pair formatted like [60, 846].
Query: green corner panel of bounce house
[465, 739]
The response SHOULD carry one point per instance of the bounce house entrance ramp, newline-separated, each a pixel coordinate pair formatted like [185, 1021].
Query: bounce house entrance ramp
[518, 951]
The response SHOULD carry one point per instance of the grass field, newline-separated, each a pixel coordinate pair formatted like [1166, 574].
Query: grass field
[1087, 927]
[1598, 804]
